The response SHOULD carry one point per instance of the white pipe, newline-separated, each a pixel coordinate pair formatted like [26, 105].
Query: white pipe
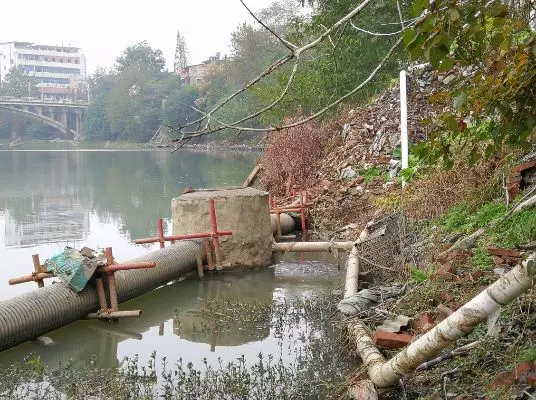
[386, 373]
[283, 247]
[352, 273]
[404, 122]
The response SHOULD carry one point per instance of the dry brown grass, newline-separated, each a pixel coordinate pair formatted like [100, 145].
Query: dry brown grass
[293, 155]
[430, 196]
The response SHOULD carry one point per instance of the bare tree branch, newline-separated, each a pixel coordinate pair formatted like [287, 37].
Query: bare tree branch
[400, 14]
[285, 43]
[305, 120]
[282, 61]
[380, 33]
[295, 53]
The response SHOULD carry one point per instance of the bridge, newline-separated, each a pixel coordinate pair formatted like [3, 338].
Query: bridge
[67, 116]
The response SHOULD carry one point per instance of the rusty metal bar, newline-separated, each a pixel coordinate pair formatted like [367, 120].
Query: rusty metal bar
[303, 224]
[34, 277]
[114, 314]
[200, 267]
[109, 256]
[37, 269]
[114, 303]
[201, 235]
[290, 207]
[100, 294]
[208, 252]
[215, 238]
[161, 233]
[124, 267]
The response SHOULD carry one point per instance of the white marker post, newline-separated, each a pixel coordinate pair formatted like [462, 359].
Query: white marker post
[404, 122]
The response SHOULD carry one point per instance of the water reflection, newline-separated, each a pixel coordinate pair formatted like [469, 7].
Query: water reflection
[172, 324]
[45, 190]
[50, 199]
[104, 198]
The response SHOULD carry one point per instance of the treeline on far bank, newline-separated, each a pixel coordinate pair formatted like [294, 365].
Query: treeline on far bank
[138, 95]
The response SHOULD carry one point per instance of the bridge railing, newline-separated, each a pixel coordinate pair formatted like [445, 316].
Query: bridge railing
[13, 99]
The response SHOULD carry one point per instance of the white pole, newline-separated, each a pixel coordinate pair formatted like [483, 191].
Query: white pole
[404, 122]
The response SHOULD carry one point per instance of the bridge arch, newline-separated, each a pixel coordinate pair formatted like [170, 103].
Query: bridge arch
[64, 130]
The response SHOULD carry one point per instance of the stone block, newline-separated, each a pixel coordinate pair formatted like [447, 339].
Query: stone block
[243, 211]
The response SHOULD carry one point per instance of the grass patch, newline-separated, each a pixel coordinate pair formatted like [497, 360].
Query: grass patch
[482, 260]
[369, 174]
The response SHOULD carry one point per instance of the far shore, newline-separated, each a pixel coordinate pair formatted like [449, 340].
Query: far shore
[65, 145]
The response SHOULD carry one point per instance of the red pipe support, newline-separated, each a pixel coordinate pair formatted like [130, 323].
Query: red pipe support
[184, 237]
[125, 267]
[161, 232]
[37, 269]
[208, 252]
[215, 234]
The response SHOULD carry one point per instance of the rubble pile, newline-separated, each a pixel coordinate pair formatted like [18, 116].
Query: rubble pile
[366, 159]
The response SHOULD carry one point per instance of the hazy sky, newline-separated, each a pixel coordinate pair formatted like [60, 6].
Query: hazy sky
[104, 28]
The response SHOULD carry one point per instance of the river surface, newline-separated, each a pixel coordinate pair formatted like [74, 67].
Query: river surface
[53, 199]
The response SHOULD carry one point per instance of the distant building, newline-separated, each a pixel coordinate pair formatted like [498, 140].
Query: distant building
[57, 69]
[194, 74]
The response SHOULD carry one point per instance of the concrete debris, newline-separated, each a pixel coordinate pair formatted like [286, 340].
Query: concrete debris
[368, 156]
[363, 390]
[394, 325]
[348, 173]
[368, 298]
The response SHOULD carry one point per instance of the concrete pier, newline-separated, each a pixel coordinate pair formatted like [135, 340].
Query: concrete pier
[243, 211]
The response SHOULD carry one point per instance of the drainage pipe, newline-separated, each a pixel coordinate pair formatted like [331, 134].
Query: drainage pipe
[284, 247]
[288, 224]
[36, 313]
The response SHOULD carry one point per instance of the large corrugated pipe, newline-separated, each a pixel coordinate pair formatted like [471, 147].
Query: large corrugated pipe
[288, 224]
[33, 314]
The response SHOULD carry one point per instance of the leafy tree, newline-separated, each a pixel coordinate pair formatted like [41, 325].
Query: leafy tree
[492, 104]
[178, 109]
[141, 56]
[132, 101]
[19, 84]
[181, 54]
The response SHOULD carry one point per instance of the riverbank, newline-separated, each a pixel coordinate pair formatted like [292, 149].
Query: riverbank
[358, 181]
[57, 144]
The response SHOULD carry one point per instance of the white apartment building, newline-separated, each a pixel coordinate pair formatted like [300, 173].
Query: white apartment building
[57, 69]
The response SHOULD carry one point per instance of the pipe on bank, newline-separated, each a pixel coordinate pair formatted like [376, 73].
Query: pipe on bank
[36, 313]
[288, 225]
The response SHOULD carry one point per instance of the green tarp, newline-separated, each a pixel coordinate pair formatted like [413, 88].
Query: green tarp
[72, 267]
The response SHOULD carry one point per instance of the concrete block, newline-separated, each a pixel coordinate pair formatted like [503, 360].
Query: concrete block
[244, 211]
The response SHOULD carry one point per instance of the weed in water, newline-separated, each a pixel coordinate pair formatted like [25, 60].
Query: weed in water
[315, 368]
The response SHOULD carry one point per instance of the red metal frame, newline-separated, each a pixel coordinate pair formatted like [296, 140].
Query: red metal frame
[214, 236]
[302, 208]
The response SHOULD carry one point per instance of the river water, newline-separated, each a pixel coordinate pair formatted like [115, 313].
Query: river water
[53, 199]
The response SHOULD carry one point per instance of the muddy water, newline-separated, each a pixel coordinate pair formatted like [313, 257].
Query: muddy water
[107, 198]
